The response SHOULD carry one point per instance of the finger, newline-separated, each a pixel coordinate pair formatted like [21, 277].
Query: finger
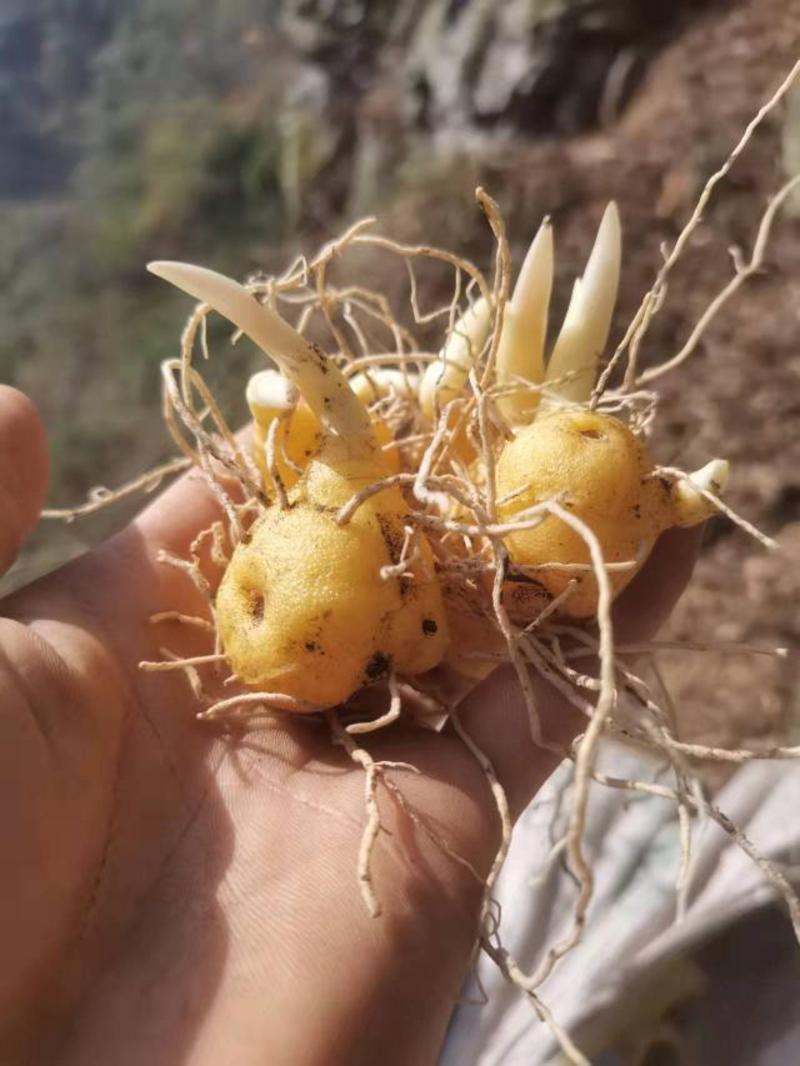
[24, 467]
[496, 717]
[495, 713]
[132, 561]
[171, 523]
[643, 607]
[143, 583]
[173, 519]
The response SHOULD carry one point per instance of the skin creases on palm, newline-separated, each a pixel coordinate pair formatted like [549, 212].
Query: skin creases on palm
[178, 894]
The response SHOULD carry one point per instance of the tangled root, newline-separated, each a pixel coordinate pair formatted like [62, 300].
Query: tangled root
[456, 505]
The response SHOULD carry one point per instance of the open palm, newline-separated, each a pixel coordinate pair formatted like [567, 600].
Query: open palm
[170, 894]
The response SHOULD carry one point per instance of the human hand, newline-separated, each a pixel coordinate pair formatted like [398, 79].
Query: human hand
[173, 895]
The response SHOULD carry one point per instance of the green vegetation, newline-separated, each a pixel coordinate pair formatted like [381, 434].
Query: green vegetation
[129, 130]
[201, 129]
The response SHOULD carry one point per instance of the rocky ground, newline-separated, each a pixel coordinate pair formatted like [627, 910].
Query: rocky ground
[739, 395]
[662, 110]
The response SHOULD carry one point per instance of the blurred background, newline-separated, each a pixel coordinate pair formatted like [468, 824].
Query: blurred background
[238, 133]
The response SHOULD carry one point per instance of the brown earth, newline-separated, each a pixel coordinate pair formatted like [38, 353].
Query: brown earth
[739, 395]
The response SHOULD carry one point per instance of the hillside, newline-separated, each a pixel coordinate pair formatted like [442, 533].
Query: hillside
[238, 133]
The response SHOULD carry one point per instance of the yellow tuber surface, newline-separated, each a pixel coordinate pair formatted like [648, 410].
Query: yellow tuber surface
[317, 602]
[508, 500]
[307, 608]
[303, 609]
[595, 467]
[298, 434]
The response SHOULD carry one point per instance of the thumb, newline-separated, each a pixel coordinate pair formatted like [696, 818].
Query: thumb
[495, 713]
[23, 471]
